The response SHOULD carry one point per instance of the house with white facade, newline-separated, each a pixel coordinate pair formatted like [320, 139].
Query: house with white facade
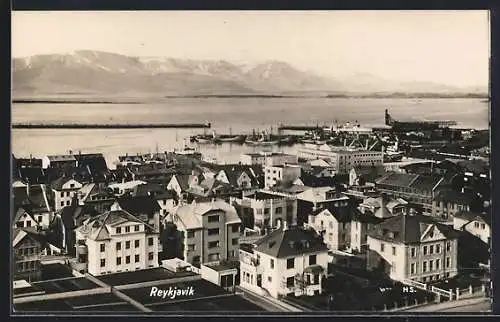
[210, 231]
[413, 247]
[334, 225]
[277, 174]
[478, 224]
[290, 260]
[116, 241]
[64, 190]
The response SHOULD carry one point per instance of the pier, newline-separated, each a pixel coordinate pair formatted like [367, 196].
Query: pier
[112, 126]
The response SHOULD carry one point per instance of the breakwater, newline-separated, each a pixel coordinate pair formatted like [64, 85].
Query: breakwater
[111, 126]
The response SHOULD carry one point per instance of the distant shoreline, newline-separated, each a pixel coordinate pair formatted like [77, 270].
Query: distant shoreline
[143, 100]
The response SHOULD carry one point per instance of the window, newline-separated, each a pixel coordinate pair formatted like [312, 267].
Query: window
[431, 249]
[448, 262]
[279, 210]
[62, 194]
[312, 259]
[67, 194]
[235, 228]
[424, 267]
[393, 267]
[271, 263]
[127, 244]
[413, 252]
[213, 244]
[412, 268]
[103, 262]
[127, 260]
[72, 185]
[136, 228]
[118, 246]
[28, 223]
[118, 261]
[425, 250]
[137, 258]
[151, 256]
[290, 282]
[103, 248]
[438, 249]
[448, 246]
[483, 226]
[118, 230]
[382, 247]
[394, 251]
[213, 218]
[136, 243]
[437, 263]
[68, 203]
[127, 229]
[213, 231]
[290, 263]
[150, 241]
[431, 265]
[62, 203]
[234, 241]
[40, 218]
[476, 224]
[269, 279]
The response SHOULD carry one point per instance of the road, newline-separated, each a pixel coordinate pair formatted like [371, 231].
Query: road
[268, 304]
[472, 305]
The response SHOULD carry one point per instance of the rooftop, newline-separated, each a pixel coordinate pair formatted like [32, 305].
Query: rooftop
[152, 274]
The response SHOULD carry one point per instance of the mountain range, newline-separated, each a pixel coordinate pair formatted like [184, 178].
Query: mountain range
[86, 73]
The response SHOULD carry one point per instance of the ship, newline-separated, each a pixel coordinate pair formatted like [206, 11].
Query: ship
[417, 126]
[262, 139]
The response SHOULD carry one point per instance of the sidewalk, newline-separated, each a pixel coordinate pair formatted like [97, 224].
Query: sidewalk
[447, 305]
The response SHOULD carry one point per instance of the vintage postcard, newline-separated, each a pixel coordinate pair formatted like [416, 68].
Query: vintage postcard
[250, 162]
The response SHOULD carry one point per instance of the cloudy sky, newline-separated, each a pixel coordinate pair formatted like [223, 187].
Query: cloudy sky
[449, 47]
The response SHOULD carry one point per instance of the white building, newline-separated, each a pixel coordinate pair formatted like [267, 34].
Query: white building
[284, 173]
[64, 190]
[343, 159]
[269, 208]
[116, 241]
[413, 247]
[478, 225]
[334, 225]
[268, 158]
[211, 231]
[286, 261]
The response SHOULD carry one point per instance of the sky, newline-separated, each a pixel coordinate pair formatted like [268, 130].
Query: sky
[447, 47]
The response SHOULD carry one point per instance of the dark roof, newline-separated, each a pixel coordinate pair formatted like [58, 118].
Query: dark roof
[259, 195]
[366, 218]
[148, 188]
[408, 229]
[32, 174]
[310, 180]
[183, 180]
[452, 196]
[96, 163]
[291, 242]
[74, 215]
[369, 173]
[342, 214]
[139, 205]
[247, 248]
[475, 166]
[59, 183]
[416, 181]
[471, 216]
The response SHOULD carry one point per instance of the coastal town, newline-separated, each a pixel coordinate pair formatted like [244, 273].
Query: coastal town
[395, 218]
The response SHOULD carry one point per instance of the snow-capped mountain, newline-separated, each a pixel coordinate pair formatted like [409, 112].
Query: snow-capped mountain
[86, 71]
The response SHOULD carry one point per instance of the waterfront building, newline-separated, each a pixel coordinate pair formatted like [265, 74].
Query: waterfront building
[288, 261]
[210, 231]
[59, 161]
[413, 247]
[342, 158]
[277, 174]
[268, 158]
[264, 209]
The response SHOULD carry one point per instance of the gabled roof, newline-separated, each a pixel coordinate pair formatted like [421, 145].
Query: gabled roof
[33, 175]
[183, 180]
[61, 157]
[310, 180]
[97, 228]
[190, 215]
[20, 211]
[408, 229]
[416, 181]
[341, 214]
[366, 218]
[20, 234]
[320, 194]
[473, 216]
[283, 243]
[59, 183]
